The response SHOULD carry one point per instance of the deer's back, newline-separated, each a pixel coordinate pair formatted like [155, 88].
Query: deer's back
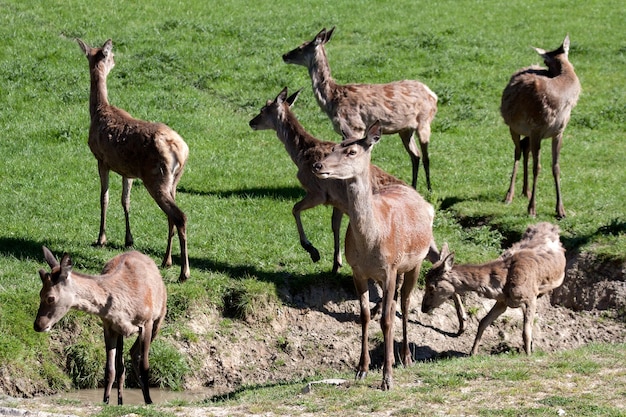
[120, 141]
[535, 102]
[137, 293]
[399, 105]
[533, 272]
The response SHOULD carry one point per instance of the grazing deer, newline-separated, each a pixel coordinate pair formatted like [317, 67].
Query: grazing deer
[305, 150]
[536, 104]
[402, 107]
[526, 271]
[134, 148]
[129, 297]
[388, 237]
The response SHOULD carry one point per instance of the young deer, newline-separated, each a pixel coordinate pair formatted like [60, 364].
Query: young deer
[129, 297]
[402, 107]
[388, 237]
[529, 269]
[536, 103]
[305, 150]
[134, 148]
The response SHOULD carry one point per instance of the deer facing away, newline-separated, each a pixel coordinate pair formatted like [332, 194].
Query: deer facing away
[389, 235]
[526, 271]
[402, 107]
[536, 104]
[129, 296]
[305, 150]
[134, 148]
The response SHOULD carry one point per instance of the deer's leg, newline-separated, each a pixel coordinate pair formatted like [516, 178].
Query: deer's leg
[110, 343]
[498, 308]
[525, 144]
[336, 226]
[408, 140]
[140, 358]
[460, 312]
[164, 198]
[309, 201]
[127, 184]
[103, 172]
[120, 371]
[410, 278]
[386, 324]
[557, 142]
[529, 317]
[364, 299]
[423, 132]
[518, 153]
[535, 147]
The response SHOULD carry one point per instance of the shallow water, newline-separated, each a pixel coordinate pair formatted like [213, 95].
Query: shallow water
[133, 396]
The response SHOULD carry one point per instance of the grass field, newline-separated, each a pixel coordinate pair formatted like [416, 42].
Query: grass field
[205, 69]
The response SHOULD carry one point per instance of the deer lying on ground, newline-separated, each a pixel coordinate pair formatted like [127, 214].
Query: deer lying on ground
[129, 296]
[537, 103]
[133, 148]
[526, 271]
[389, 235]
[305, 150]
[402, 107]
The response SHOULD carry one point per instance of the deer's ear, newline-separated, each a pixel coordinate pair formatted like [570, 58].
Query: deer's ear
[373, 133]
[107, 47]
[565, 45]
[320, 38]
[448, 262]
[44, 276]
[329, 34]
[445, 251]
[282, 96]
[66, 265]
[83, 46]
[292, 98]
[50, 259]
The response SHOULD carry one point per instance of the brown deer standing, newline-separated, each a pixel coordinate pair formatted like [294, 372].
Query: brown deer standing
[537, 103]
[130, 297]
[304, 150]
[402, 107]
[388, 237]
[529, 269]
[133, 148]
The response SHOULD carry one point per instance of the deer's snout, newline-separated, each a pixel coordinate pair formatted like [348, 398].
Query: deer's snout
[317, 167]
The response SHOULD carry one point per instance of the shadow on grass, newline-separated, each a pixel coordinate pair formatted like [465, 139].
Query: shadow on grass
[20, 248]
[284, 193]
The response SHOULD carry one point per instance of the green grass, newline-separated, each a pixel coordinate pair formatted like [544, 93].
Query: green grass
[206, 70]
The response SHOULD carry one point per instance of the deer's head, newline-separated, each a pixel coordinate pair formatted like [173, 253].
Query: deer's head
[56, 296]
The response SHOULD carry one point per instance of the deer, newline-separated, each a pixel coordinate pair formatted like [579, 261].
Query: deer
[529, 269]
[388, 237]
[402, 107]
[130, 298]
[305, 150]
[537, 104]
[133, 148]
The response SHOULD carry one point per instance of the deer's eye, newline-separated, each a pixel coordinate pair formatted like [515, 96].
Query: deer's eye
[50, 300]
[351, 152]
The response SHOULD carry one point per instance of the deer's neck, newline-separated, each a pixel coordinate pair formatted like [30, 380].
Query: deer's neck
[323, 83]
[89, 295]
[98, 97]
[293, 136]
[486, 280]
[363, 219]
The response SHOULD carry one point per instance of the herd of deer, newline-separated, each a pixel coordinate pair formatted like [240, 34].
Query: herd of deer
[390, 230]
